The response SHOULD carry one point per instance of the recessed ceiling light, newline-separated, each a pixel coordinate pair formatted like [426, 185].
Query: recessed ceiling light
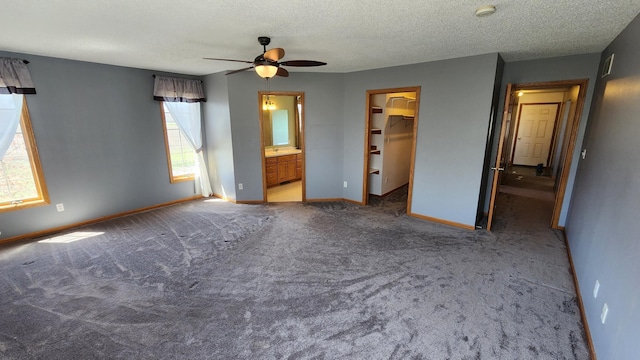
[485, 10]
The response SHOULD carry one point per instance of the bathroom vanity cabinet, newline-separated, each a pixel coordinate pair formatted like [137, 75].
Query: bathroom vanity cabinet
[283, 168]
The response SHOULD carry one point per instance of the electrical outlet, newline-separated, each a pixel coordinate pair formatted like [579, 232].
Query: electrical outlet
[345, 184]
[603, 315]
[595, 289]
[240, 186]
[60, 207]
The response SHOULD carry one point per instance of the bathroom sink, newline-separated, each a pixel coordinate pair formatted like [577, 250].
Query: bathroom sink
[281, 151]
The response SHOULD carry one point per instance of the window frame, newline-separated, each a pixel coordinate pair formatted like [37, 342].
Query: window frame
[35, 164]
[177, 178]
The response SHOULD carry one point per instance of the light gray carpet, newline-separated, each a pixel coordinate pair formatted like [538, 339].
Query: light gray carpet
[213, 280]
[525, 177]
[530, 193]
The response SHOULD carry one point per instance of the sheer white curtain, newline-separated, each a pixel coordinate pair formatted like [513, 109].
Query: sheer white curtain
[14, 79]
[182, 98]
[10, 111]
[187, 116]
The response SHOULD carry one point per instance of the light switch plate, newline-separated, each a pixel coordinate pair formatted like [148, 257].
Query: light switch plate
[605, 311]
[606, 67]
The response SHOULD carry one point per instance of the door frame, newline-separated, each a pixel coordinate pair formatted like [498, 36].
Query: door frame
[367, 130]
[300, 140]
[574, 124]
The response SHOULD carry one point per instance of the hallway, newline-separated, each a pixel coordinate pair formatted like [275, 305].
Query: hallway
[525, 181]
[515, 213]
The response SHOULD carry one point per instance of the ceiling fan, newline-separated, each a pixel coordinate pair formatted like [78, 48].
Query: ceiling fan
[266, 64]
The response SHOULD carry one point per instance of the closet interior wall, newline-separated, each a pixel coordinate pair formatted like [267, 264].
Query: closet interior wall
[391, 137]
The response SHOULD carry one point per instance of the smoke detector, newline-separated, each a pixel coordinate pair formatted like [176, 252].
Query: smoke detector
[485, 10]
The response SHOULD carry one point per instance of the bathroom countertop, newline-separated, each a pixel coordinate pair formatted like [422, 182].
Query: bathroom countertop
[281, 152]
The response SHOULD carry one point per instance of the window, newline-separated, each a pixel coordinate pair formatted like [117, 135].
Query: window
[180, 154]
[21, 179]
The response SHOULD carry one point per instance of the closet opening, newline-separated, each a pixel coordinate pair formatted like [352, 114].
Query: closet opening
[390, 140]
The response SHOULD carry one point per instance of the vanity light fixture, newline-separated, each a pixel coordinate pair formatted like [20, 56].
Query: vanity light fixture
[268, 104]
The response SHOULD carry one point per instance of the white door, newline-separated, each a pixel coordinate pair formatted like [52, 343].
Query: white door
[535, 131]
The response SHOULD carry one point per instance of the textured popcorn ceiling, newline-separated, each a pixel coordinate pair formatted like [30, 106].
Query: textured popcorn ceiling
[348, 35]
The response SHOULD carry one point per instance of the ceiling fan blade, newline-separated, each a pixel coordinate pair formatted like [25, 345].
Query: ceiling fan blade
[303, 63]
[274, 54]
[239, 70]
[242, 61]
[282, 72]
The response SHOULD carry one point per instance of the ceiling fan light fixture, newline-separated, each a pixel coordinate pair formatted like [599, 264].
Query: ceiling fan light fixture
[266, 71]
[485, 10]
[268, 64]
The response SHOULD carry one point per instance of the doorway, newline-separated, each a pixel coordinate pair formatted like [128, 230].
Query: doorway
[391, 125]
[281, 117]
[538, 133]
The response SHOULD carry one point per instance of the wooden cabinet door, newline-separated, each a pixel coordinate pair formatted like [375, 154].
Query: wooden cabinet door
[272, 179]
[272, 174]
[291, 170]
[282, 171]
[299, 169]
[272, 171]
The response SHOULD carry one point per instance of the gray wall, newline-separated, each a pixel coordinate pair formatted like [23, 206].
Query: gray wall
[219, 144]
[455, 107]
[100, 140]
[323, 97]
[552, 69]
[602, 226]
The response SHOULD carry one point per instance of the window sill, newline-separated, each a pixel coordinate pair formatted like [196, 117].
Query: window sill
[177, 179]
[23, 205]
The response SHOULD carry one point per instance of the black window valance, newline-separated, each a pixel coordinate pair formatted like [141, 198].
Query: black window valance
[178, 90]
[15, 77]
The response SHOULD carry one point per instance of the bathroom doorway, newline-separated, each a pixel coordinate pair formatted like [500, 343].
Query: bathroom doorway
[281, 117]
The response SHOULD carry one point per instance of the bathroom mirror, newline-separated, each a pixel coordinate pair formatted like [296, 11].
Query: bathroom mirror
[280, 127]
[281, 115]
